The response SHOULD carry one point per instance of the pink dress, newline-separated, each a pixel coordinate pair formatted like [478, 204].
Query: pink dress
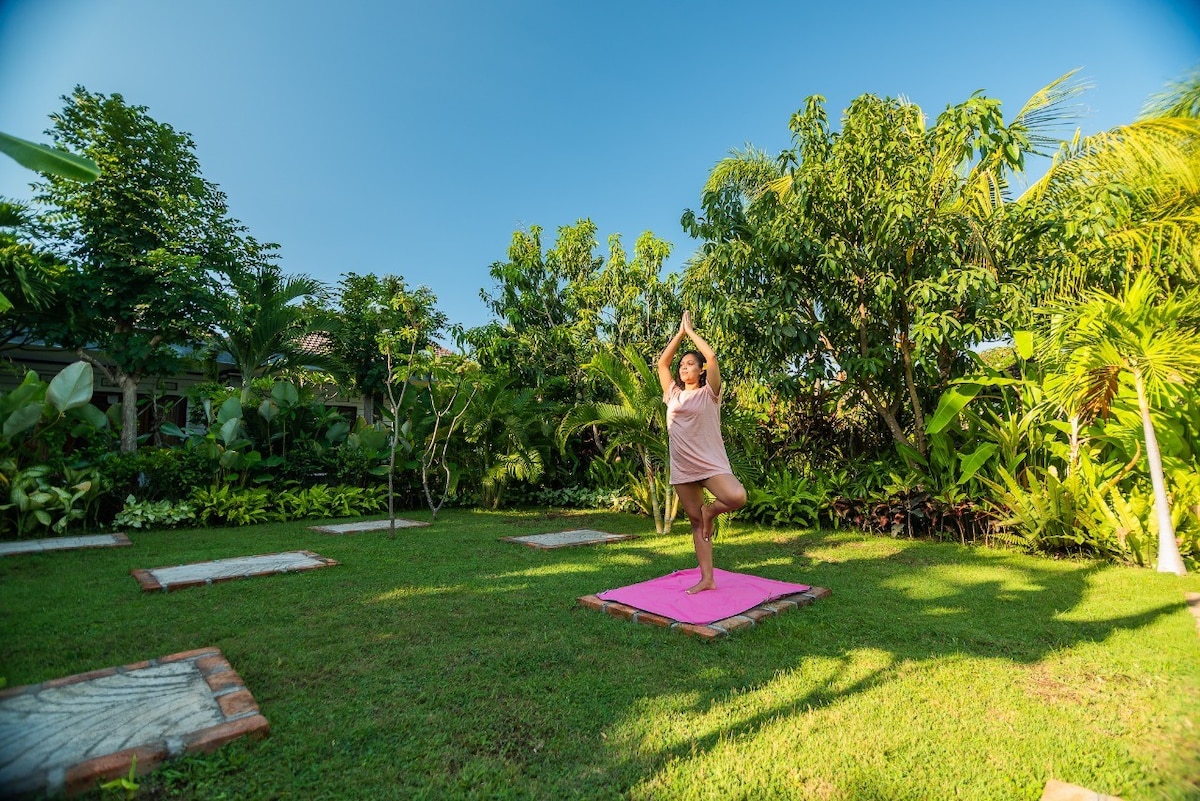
[694, 434]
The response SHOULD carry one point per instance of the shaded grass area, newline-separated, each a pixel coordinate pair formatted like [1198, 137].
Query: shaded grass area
[445, 663]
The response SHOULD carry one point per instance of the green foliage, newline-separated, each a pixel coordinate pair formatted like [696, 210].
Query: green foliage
[127, 783]
[41, 504]
[154, 514]
[229, 505]
[262, 326]
[786, 498]
[865, 255]
[44, 489]
[48, 160]
[368, 306]
[574, 497]
[156, 473]
[147, 239]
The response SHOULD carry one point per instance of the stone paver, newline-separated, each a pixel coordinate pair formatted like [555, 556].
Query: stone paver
[64, 543]
[365, 525]
[65, 735]
[717, 629]
[191, 575]
[567, 539]
[1193, 603]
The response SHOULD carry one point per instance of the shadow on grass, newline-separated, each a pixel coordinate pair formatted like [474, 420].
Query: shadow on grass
[447, 663]
[907, 602]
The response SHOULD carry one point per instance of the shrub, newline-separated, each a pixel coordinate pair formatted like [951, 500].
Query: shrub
[154, 514]
[786, 498]
[240, 507]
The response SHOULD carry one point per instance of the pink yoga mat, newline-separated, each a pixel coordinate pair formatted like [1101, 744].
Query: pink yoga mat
[667, 595]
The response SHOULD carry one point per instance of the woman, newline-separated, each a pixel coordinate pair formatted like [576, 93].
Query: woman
[698, 458]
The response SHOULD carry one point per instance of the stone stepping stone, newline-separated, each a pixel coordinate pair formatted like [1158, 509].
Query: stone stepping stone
[191, 575]
[64, 543]
[717, 629]
[365, 525]
[65, 735]
[568, 539]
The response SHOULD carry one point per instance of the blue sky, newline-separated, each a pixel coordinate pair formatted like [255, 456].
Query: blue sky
[414, 138]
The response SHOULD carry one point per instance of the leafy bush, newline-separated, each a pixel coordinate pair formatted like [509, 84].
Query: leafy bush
[46, 485]
[786, 498]
[154, 514]
[157, 473]
[232, 506]
[579, 497]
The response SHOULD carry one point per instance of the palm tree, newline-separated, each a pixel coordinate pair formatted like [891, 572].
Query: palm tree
[26, 276]
[636, 422]
[1151, 334]
[500, 424]
[264, 329]
[1127, 198]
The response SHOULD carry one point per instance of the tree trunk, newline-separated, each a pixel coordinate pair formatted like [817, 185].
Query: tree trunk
[129, 430]
[1074, 459]
[369, 408]
[911, 383]
[651, 486]
[889, 417]
[1169, 560]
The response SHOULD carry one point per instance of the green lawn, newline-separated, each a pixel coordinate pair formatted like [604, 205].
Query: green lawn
[447, 664]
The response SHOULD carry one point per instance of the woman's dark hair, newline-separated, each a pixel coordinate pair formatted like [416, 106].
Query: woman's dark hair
[700, 360]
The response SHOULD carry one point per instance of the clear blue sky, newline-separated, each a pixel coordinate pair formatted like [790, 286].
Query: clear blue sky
[414, 138]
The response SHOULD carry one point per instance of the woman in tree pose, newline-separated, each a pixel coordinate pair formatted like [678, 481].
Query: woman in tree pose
[698, 458]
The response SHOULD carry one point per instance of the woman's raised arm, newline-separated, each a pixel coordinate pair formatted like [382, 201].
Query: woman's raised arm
[665, 379]
[712, 370]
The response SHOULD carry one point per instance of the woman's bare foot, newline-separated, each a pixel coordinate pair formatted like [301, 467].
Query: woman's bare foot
[703, 585]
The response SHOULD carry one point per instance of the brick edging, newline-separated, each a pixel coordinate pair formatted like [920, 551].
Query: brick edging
[716, 629]
[238, 709]
[149, 583]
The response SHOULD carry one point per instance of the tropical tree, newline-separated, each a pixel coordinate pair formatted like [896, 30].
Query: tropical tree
[366, 307]
[508, 430]
[263, 328]
[638, 303]
[636, 423]
[147, 240]
[407, 365]
[873, 257]
[1121, 201]
[1147, 333]
[546, 306]
[29, 275]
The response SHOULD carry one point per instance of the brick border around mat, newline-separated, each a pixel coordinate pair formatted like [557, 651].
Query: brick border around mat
[149, 583]
[607, 539]
[715, 630]
[238, 708]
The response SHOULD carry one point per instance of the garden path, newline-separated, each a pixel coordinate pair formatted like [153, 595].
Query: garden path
[197, 573]
[65, 735]
[567, 539]
[364, 525]
[64, 543]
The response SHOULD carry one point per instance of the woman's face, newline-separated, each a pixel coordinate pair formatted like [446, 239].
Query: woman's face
[689, 369]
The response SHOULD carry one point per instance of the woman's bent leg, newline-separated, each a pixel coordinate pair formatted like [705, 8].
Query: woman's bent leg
[728, 494]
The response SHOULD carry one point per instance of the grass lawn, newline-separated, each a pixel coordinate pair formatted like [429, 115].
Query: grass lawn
[447, 664]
